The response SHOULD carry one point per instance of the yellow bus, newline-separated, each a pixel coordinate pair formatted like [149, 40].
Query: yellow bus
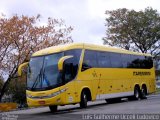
[78, 73]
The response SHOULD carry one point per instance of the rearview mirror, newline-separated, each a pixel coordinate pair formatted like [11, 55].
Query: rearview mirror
[20, 68]
[61, 62]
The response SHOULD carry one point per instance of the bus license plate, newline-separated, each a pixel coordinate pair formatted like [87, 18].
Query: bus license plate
[42, 102]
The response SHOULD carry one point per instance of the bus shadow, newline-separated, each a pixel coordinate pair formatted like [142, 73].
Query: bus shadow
[77, 109]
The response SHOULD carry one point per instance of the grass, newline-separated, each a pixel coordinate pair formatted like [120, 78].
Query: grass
[158, 90]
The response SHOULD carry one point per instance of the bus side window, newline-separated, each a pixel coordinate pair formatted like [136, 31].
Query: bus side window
[148, 62]
[90, 60]
[104, 59]
[116, 60]
[126, 58]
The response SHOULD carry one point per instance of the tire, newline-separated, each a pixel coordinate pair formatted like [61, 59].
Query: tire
[136, 95]
[84, 100]
[53, 108]
[143, 93]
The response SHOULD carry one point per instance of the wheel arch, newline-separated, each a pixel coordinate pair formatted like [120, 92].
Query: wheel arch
[145, 86]
[88, 92]
[137, 85]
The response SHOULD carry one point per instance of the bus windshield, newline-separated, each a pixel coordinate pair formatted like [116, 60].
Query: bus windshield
[43, 72]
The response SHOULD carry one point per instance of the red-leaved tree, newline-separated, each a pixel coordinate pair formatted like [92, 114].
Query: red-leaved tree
[20, 36]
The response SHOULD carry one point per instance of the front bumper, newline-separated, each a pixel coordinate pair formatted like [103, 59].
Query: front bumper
[46, 98]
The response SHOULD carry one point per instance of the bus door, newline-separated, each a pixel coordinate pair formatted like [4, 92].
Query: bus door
[71, 71]
[89, 72]
[70, 84]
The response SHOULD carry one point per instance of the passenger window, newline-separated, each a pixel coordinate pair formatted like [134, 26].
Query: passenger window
[140, 62]
[90, 60]
[148, 62]
[126, 58]
[104, 59]
[116, 60]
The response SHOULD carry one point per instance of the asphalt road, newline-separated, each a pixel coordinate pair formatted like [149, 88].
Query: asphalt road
[73, 112]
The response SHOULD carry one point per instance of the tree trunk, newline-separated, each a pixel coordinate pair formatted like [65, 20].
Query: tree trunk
[4, 88]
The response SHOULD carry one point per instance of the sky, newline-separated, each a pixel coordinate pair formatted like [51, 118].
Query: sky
[87, 17]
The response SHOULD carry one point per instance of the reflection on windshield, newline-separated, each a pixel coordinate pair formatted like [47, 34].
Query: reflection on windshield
[43, 72]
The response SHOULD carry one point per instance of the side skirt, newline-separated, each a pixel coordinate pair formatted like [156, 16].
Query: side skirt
[114, 95]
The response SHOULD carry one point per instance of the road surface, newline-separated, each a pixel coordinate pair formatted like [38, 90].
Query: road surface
[74, 112]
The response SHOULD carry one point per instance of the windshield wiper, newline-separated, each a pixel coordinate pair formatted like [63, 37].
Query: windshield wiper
[45, 78]
[38, 79]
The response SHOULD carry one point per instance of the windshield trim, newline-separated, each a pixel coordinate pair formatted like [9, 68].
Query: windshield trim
[32, 88]
[59, 84]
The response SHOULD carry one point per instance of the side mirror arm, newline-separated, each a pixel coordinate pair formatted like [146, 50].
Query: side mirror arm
[61, 61]
[20, 68]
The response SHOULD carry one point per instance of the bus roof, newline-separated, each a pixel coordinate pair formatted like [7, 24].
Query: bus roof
[60, 48]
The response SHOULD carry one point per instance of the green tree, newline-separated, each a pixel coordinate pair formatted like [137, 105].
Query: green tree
[17, 90]
[134, 30]
[157, 67]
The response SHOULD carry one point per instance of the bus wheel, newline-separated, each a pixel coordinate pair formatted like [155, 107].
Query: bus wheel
[143, 92]
[53, 108]
[136, 93]
[84, 100]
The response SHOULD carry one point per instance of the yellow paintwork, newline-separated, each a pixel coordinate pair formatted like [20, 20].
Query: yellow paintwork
[49, 101]
[56, 49]
[20, 68]
[60, 48]
[61, 61]
[98, 80]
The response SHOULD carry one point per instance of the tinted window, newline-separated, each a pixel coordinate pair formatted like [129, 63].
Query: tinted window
[71, 64]
[116, 61]
[140, 62]
[148, 62]
[90, 60]
[126, 58]
[104, 59]
[136, 62]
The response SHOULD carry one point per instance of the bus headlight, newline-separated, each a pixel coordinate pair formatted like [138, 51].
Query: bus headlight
[53, 94]
[29, 96]
[47, 96]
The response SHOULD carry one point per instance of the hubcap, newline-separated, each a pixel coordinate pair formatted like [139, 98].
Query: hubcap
[137, 94]
[85, 97]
